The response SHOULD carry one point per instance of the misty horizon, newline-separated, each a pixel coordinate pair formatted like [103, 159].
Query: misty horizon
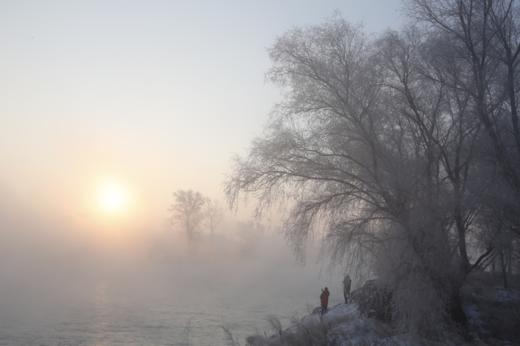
[314, 173]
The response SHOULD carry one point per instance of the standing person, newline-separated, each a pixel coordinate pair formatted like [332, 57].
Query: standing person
[346, 288]
[324, 297]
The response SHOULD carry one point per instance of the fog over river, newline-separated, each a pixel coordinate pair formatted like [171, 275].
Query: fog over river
[57, 290]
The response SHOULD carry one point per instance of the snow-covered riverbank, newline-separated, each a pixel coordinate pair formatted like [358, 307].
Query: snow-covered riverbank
[492, 313]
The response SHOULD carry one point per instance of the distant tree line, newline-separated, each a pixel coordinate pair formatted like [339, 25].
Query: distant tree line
[402, 151]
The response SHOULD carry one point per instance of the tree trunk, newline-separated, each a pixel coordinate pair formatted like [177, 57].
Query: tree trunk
[504, 271]
[509, 262]
[461, 232]
[456, 312]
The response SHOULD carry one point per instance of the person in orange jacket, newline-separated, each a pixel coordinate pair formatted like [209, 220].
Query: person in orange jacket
[324, 297]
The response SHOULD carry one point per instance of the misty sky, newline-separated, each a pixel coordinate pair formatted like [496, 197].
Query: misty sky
[156, 94]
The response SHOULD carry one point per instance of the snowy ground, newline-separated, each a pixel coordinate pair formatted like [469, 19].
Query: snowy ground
[344, 325]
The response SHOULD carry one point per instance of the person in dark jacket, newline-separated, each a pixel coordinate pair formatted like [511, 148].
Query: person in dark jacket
[324, 298]
[346, 288]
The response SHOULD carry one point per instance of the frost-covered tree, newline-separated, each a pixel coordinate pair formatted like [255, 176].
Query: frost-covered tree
[384, 149]
[484, 38]
[188, 210]
[355, 154]
[213, 213]
[402, 152]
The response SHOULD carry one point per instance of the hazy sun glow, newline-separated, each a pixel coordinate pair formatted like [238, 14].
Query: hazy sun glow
[112, 197]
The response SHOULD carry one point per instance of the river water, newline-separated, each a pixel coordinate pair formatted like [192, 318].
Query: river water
[182, 301]
[156, 322]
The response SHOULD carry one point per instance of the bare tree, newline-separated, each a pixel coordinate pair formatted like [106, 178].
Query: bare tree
[187, 209]
[356, 148]
[484, 36]
[397, 151]
[213, 213]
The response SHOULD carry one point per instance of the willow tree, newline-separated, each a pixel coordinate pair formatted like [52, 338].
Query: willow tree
[358, 146]
[396, 150]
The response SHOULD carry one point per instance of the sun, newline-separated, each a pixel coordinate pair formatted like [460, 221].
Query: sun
[112, 197]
